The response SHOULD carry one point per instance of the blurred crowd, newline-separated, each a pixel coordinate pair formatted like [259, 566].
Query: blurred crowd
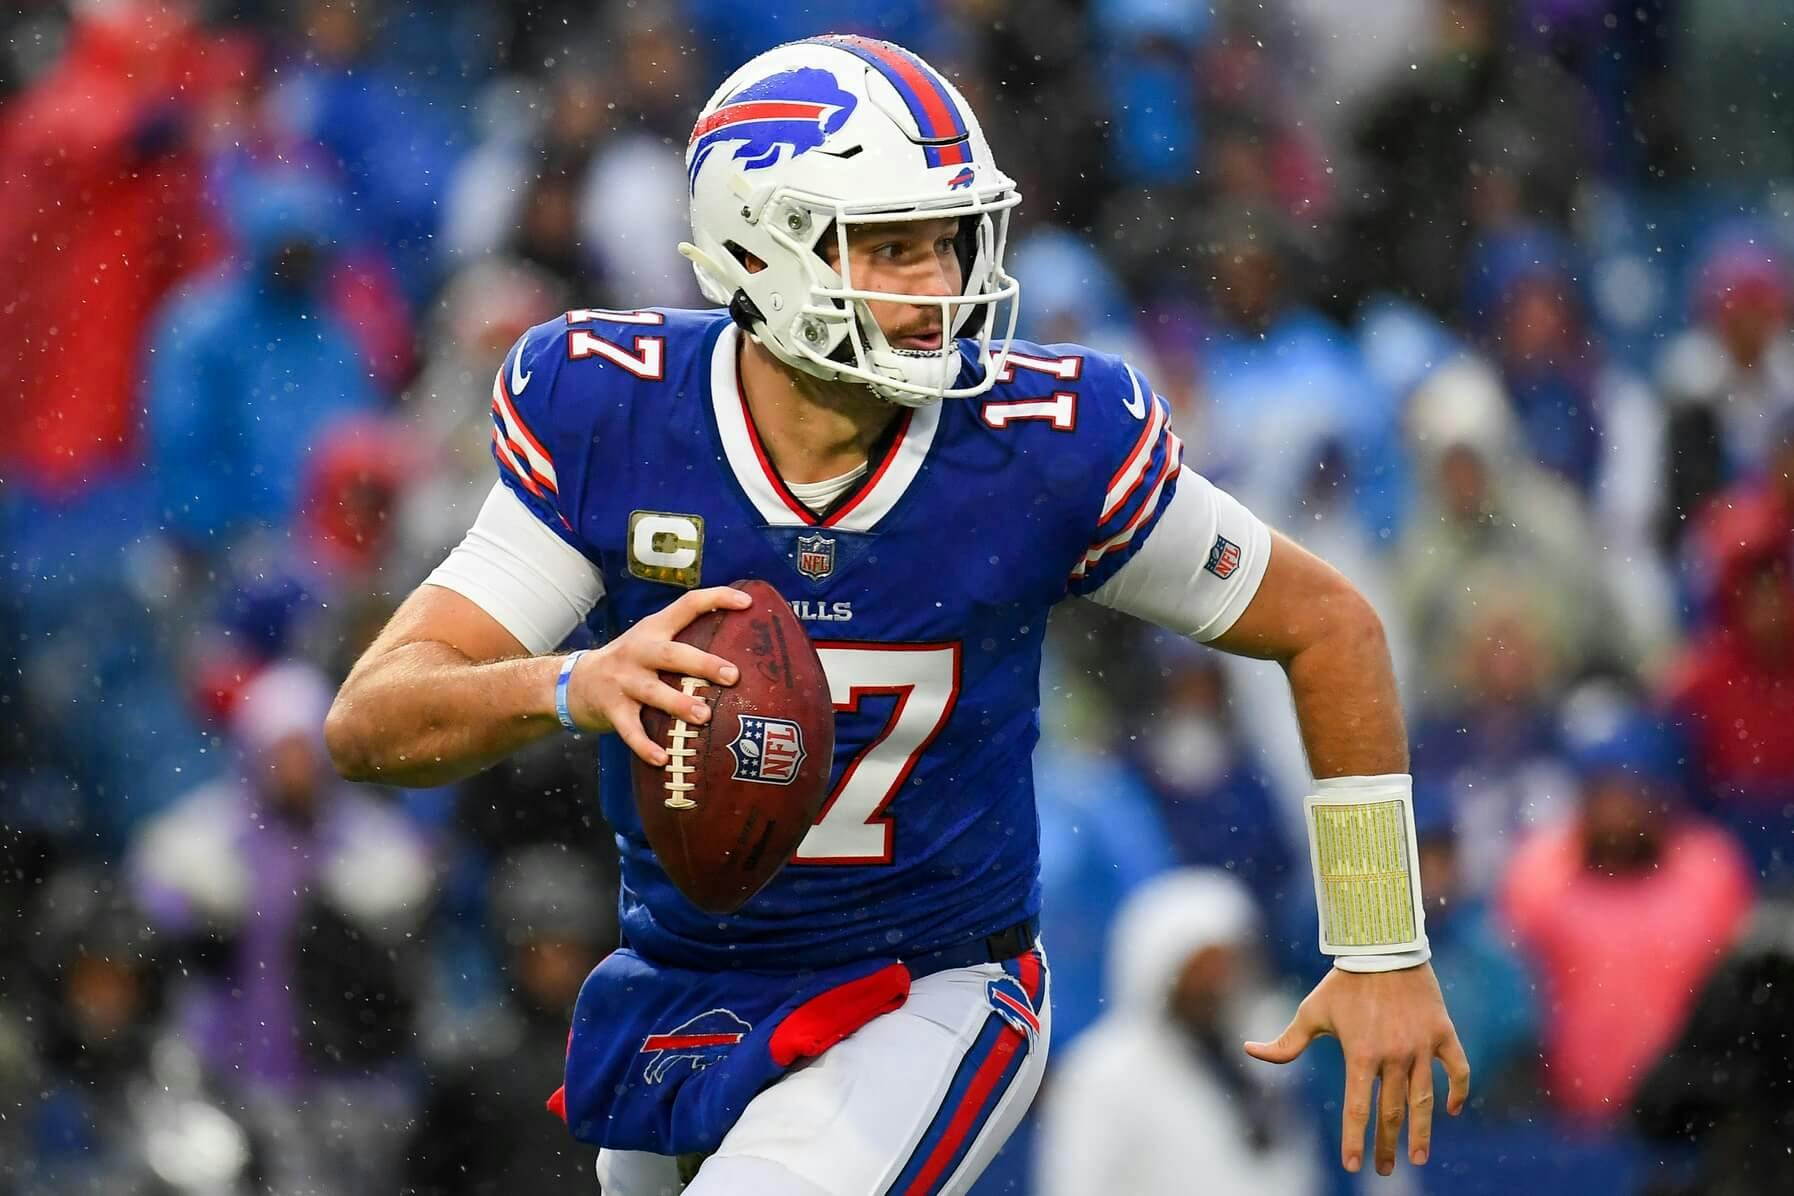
[1489, 302]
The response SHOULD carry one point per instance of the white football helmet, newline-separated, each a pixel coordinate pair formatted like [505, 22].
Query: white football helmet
[813, 138]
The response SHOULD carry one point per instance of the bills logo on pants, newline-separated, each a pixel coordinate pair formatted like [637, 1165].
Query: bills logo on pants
[698, 1043]
[897, 1108]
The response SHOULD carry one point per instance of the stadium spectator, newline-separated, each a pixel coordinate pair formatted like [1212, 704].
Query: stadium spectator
[391, 132]
[105, 212]
[244, 373]
[1522, 295]
[1493, 740]
[1493, 1000]
[1482, 130]
[483, 1131]
[1216, 810]
[1101, 837]
[1623, 911]
[1488, 520]
[292, 899]
[1287, 389]
[1728, 381]
[447, 410]
[1731, 691]
[1158, 1091]
[1725, 1082]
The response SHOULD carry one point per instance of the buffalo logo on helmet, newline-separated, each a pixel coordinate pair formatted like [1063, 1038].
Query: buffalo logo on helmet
[960, 180]
[697, 1042]
[776, 118]
[767, 750]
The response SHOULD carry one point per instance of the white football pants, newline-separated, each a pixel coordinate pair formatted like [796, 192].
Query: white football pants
[915, 1103]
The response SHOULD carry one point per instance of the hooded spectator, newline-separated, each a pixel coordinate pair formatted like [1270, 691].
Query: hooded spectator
[1487, 516]
[1158, 1091]
[1524, 295]
[1732, 690]
[245, 372]
[104, 212]
[1622, 911]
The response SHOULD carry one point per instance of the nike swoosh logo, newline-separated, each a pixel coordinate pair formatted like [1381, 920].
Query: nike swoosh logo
[1136, 406]
[519, 379]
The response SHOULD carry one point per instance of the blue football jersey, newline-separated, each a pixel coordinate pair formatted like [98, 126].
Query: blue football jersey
[926, 592]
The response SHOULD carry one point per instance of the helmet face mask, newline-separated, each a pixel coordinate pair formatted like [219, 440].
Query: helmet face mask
[775, 199]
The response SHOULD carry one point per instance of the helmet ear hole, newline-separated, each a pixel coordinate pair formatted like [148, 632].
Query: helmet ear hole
[746, 260]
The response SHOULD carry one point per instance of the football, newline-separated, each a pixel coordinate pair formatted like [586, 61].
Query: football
[739, 792]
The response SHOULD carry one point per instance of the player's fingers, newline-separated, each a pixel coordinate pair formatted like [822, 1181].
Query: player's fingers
[1392, 1105]
[1457, 1070]
[671, 656]
[626, 720]
[689, 605]
[649, 690]
[1354, 1114]
[1420, 1111]
[1295, 1038]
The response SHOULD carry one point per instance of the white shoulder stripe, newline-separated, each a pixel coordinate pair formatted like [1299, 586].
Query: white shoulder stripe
[1127, 478]
[518, 433]
[1173, 461]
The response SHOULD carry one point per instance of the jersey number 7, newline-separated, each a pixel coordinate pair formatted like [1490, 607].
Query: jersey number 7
[853, 827]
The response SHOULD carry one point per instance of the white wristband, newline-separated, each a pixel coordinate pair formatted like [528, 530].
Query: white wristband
[1362, 848]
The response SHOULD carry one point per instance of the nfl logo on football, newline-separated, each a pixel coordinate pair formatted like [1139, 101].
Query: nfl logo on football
[767, 750]
[816, 556]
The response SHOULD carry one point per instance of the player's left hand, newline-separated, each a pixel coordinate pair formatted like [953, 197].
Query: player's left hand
[1390, 1025]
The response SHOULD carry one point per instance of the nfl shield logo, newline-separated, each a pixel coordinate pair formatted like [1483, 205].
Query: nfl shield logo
[816, 556]
[767, 750]
[1223, 558]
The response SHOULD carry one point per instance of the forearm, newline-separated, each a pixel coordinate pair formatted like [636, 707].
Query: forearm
[1343, 686]
[424, 714]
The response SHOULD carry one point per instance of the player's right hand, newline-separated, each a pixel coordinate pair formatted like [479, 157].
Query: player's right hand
[610, 685]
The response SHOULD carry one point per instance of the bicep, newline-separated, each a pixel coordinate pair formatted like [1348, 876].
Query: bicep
[1301, 601]
[511, 588]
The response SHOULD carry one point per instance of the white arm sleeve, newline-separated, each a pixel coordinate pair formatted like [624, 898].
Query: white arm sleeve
[538, 586]
[1170, 582]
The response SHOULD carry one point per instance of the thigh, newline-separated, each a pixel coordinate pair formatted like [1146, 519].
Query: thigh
[638, 1173]
[915, 1103]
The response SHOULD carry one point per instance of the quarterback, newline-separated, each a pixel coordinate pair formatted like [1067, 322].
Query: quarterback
[855, 423]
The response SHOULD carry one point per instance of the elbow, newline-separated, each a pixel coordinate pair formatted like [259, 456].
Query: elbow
[1359, 624]
[348, 755]
[1348, 629]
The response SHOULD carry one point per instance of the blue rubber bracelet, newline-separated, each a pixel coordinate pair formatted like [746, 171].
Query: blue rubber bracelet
[560, 691]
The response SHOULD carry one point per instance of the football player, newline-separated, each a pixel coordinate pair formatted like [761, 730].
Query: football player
[855, 423]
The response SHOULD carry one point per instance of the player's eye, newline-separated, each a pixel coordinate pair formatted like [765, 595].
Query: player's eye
[889, 250]
[944, 245]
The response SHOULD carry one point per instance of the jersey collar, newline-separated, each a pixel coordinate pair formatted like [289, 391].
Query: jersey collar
[886, 480]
